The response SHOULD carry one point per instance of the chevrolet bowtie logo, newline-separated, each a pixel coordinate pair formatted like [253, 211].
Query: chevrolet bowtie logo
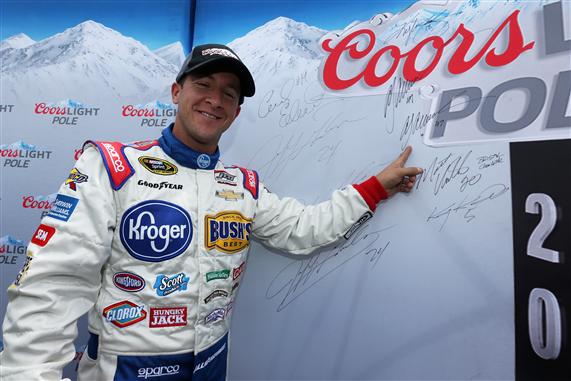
[230, 195]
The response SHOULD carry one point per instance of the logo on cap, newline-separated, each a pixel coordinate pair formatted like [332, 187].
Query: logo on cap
[219, 52]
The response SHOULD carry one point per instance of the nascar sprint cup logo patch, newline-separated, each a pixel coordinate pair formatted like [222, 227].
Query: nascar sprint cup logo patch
[228, 232]
[154, 231]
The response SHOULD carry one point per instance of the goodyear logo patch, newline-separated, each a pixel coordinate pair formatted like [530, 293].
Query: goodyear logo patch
[158, 166]
[228, 232]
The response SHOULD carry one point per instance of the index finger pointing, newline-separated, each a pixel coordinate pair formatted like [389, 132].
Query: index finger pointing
[404, 155]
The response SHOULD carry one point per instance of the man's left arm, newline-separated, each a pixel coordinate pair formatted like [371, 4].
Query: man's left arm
[291, 226]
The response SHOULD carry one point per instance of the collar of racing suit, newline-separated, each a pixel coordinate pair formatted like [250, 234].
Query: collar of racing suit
[185, 155]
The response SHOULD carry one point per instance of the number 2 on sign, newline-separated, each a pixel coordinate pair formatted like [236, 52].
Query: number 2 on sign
[544, 314]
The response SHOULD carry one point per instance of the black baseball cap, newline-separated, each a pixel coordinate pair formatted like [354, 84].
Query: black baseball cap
[213, 58]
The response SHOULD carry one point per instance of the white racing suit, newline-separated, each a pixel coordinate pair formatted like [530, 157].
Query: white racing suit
[151, 240]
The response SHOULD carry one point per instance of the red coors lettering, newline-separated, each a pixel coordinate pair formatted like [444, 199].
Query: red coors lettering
[32, 203]
[458, 63]
[130, 110]
[42, 108]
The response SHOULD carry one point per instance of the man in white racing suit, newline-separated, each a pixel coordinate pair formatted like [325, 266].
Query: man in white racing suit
[151, 239]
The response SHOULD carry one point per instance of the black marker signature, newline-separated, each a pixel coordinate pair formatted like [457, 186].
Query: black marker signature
[468, 205]
[299, 276]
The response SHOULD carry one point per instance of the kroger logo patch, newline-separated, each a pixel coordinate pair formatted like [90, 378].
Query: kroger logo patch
[228, 232]
[124, 313]
[63, 207]
[128, 281]
[167, 285]
[154, 231]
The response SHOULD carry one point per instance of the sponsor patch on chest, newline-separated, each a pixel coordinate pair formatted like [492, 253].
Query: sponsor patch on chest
[228, 232]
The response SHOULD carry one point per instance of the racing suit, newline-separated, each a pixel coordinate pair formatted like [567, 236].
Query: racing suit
[150, 239]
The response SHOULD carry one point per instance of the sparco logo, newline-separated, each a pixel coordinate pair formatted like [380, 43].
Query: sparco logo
[128, 282]
[155, 230]
[158, 371]
[115, 158]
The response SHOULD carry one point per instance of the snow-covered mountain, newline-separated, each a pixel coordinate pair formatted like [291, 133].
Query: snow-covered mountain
[18, 41]
[173, 53]
[107, 64]
[279, 46]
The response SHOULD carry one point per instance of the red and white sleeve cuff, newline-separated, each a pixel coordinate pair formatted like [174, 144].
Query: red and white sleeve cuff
[372, 192]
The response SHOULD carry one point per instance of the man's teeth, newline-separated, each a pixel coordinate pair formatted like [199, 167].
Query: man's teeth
[210, 116]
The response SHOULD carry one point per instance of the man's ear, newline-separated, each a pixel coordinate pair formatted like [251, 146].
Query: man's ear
[238, 111]
[175, 90]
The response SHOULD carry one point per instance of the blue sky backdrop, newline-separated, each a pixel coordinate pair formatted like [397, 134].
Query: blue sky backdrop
[156, 23]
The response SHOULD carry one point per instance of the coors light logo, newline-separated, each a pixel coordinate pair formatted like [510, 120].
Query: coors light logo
[153, 114]
[10, 249]
[66, 112]
[21, 154]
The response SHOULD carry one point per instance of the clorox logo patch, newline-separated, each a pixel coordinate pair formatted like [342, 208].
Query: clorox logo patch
[158, 166]
[154, 230]
[228, 232]
[124, 313]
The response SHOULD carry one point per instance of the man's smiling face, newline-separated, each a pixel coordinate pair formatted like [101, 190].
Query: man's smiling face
[207, 106]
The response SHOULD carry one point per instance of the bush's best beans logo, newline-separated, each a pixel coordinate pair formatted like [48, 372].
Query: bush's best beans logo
[124, 313]
[129, 282]
[154, 230]
[228, 232]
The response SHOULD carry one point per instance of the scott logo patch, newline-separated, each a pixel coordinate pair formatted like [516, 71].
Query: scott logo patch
[154, 231]
[167, 317]
[124, 313]
[228, 232]
[167, 285]
[75, 177]
[43, 235]
[128, 281]
[158, 166]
